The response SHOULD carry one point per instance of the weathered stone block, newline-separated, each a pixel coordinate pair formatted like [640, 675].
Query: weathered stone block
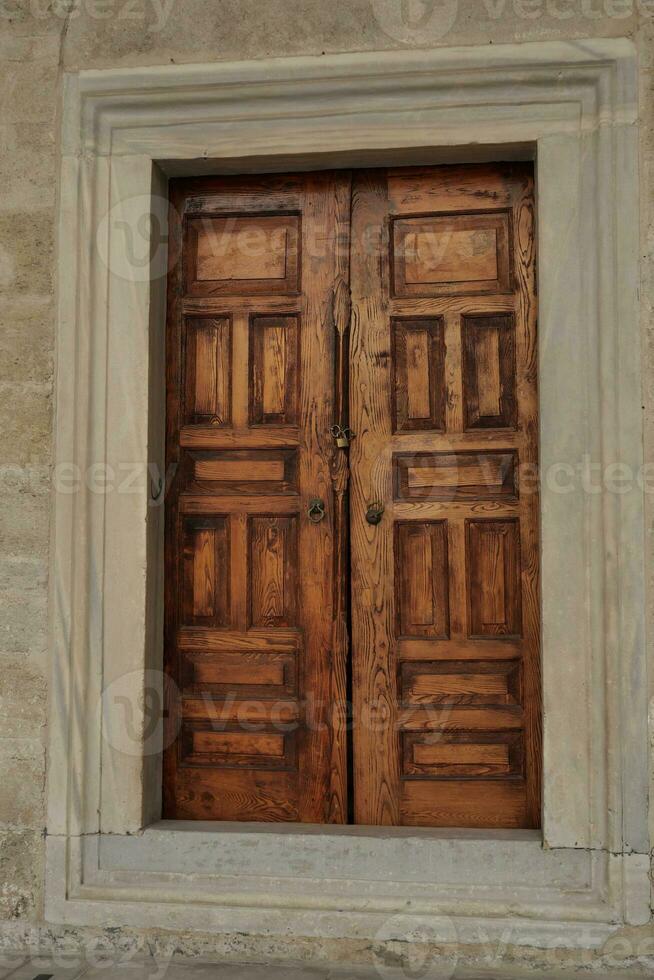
[26, 339]
[23, 575]
[29, 91]
[24, 521]
[26, 252]
[25, 423]
[21, 874]
[22, 763]
[23, 622]
[28, 168]
[23, 698]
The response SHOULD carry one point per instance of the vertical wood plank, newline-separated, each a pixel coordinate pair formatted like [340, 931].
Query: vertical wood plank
[453, 375]
[241, 355]
[239, 571]
[417, 360]
[457, 571]
[340, 790]
[376, 737]
[419, 607]
[274, 370]
[204, 573]
[526, 341]
[488, 373]
[326, 207]
[205, 363]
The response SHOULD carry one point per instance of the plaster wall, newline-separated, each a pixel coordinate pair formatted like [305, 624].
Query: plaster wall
[38, 42]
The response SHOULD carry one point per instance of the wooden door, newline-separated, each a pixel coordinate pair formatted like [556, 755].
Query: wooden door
[255, 642]
[445, 588]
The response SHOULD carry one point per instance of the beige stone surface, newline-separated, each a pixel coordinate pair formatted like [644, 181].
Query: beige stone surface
[23, 697]
[201, 30]
[37, 40]
[67, 953]
[22, 763]
[23, 623]
[27, 167]
[24, 515]
[26, 338]
[25, 422]
[21, 874]
[26, 252]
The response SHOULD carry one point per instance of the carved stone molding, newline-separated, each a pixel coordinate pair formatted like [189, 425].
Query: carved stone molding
[573, 107]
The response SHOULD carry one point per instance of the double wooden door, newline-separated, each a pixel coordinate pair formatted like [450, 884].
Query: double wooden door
[352, 632]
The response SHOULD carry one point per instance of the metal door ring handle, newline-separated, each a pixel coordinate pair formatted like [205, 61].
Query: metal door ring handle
[316, 511]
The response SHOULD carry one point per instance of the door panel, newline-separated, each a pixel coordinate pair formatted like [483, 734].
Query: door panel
[253, 587]
[445, 589]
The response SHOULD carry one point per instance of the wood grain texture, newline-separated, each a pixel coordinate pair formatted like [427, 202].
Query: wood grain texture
[272, 571]
[273, 358]
[250, 581]
[418, 369]
[455, 477]
[205, 595]
[462, 255]
[444, 255]
[208, 355]
[421, 577]
[460, 682]
[242, 255]
[493, 587]
[340, 789]
[377, 789]
[489, 372]
[401, 302]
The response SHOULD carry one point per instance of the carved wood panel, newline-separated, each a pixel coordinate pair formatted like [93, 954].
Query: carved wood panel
[445, 589]
[208, 370]
[418, 380]
[251, 586]
[435, 372]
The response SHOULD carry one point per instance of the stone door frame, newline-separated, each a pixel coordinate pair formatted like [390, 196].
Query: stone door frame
[571, 106]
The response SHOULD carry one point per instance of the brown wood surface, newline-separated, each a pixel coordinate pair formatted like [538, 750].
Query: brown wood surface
[445, 598]
[401, 303]
[251, 583]
[377, 786]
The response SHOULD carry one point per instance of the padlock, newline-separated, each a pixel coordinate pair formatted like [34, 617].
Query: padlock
[342, 436]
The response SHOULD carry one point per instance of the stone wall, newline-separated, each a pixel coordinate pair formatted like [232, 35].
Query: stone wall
[39, 40]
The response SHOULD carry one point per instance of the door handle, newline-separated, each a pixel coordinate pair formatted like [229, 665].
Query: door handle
[316, 511]
[374, 513]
